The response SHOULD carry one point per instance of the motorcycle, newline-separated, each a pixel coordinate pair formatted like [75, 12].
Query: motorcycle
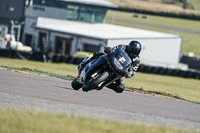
[103, 71]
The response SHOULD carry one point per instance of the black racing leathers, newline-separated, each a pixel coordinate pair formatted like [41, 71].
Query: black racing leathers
[135, 61]
[118, 86]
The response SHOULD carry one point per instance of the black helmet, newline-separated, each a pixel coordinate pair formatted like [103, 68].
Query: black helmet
[133, 49]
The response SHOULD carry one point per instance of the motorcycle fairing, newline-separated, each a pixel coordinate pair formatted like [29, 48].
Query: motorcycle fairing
[122, 58]
[90, 67]
[97, 64]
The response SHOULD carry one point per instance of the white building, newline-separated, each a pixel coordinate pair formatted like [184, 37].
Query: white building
[65, 31]
[158, 48]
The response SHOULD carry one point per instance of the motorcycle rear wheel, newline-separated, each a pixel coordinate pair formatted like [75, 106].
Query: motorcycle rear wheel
[95, 82]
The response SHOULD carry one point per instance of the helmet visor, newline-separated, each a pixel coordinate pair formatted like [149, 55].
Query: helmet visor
[133, 53]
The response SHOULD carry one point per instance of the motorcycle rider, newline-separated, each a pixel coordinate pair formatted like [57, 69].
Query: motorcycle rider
[133, 51]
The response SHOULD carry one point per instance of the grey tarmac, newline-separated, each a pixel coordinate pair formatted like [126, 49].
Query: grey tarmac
[27, 92]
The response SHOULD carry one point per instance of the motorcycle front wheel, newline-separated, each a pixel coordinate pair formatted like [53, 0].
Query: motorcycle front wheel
[95, 82]
[76, 85]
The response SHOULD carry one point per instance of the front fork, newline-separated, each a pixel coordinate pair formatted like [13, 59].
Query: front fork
[114, 78]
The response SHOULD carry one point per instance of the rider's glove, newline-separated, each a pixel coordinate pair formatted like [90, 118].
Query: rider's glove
[107, 50]
[128, 75]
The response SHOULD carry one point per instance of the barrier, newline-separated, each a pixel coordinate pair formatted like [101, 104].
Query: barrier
[39, 56]
[192, 62]
[8, 53]
[170, 72]
[5, 53]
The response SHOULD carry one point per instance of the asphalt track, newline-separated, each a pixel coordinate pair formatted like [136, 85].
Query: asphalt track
[27, 91]
[197, 32]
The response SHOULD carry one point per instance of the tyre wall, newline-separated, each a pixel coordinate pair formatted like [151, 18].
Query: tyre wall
[37, 56]
[169, 72]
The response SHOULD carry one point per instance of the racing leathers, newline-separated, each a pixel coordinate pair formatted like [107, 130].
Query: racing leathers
[118, 86]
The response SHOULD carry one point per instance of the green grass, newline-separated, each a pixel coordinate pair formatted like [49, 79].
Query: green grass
[52, 68]
[13, 121]
[159, 20]
[82, 54]
[185, 88]
[190, 41]
[195, 3]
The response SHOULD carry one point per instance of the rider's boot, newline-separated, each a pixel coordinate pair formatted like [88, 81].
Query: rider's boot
[118, 86]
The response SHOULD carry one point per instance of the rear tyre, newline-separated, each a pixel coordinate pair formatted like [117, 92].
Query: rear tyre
[76, 85]
[95, 82]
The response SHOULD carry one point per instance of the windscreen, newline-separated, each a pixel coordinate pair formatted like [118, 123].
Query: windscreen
[123, 58]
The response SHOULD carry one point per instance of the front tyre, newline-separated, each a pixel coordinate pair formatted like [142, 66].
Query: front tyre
[95, 82]
[76, 85]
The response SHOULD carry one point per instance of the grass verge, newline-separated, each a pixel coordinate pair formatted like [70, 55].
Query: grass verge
[196, 4]
[173, 86]
[13, 121]
[159, 20]
[190, 41]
